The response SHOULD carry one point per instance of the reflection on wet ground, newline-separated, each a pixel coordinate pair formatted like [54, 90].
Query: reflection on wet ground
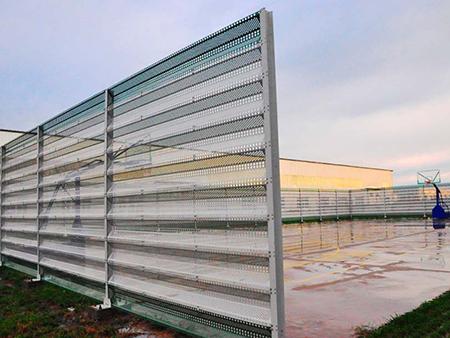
[342, 275]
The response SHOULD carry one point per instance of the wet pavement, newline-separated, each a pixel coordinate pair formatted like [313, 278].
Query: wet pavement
[347, 274]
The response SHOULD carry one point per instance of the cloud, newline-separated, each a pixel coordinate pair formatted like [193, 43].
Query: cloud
[370, 88]
[405, 139]
[431, 159]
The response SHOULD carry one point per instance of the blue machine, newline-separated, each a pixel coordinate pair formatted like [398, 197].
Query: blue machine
[440, 212]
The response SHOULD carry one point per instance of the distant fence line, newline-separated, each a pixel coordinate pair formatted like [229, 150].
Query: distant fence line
[321, 204]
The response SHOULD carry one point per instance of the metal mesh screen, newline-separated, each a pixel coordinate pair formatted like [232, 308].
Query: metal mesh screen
[19, 205]
[313, 204]
[163, 188]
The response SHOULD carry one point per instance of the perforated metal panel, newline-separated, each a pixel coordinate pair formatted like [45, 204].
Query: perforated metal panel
[19, 209]
[164, 189]
[313, 204]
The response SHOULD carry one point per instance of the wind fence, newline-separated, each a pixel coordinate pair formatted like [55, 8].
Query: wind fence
[317, 204]
[160, 195]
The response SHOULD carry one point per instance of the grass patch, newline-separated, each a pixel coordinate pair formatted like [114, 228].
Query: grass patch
[431, 319]
[43, 311]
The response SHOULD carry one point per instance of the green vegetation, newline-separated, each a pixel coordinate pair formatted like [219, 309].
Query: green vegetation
[46, 310]
[431, 319]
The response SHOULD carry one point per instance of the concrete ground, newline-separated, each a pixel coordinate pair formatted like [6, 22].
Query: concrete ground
[346, 274]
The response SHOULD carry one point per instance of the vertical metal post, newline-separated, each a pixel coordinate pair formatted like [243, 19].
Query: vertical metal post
[39, 156]
[320, 205]
[2, 163]
[384, 201]
[108, 138]
[424, 198]
[300, 206]
[77, 203]
[367, 201]
[350, 207]
[337, 211]
[273, 176]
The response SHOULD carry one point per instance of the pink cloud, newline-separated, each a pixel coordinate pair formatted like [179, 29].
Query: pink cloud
[421, 160]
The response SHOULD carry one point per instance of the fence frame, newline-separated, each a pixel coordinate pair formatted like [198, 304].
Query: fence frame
[273, 175]
[2, 161]
[39, 149]
[107, 161]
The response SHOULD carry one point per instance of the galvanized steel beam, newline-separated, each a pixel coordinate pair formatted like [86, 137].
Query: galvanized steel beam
[39, 159]
[2, 162]
[108, 140]
[273, 176]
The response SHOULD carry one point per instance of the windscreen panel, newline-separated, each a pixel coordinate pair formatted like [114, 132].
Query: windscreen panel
[71, 190]
[189, 212]
[163, 190]
[19, 202]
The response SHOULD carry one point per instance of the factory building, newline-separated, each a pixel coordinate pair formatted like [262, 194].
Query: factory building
[306, 174]
[321, 175]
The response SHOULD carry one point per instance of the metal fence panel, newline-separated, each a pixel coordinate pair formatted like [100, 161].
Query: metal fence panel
[163, 190]
[18, 209]
[71, 204]
[313, 204]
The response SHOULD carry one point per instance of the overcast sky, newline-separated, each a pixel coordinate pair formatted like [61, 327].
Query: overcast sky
[359, 82]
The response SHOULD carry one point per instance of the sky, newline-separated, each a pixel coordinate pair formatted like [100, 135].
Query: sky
[358, 82]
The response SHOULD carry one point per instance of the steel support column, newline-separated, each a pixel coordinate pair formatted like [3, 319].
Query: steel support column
[300, 204]
[320, 205]
[424, 199]
[350, 207]
[2, 163]
[39, 156]
[108, 137]
[273, 175]
[337, 208]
